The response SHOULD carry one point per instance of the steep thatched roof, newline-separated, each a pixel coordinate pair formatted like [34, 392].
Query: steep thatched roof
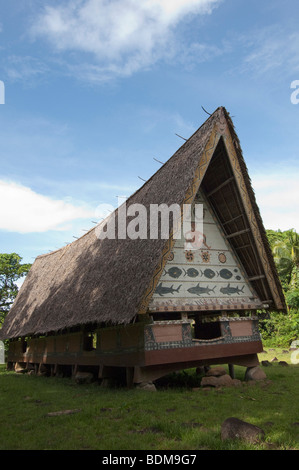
[111, 281]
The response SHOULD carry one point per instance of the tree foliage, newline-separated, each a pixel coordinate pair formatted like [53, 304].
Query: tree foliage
[11, 270]
[285, 249]
[286, 256]
[281, 329]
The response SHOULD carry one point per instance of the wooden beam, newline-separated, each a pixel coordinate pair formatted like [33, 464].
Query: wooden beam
[238, 233]
[242, 247]
[255, 278]
[235, 218]
[229, 180]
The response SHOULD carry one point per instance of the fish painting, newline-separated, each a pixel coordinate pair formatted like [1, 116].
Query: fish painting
[209, 273]
[191, 272]
[197, 290]
[174, 272]
[166, 290]
[225, 274]
[231, 290]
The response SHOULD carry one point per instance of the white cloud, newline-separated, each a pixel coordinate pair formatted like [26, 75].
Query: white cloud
[122, 35]
[24, 68]
[270, 50]
[24, 211]
[277, 197]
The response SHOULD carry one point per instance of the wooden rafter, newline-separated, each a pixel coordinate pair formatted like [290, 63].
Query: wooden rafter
[229, 180]
[240, 232]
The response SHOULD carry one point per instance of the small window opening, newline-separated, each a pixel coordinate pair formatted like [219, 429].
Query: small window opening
[206, 331]
[90, 341]
[23, 346]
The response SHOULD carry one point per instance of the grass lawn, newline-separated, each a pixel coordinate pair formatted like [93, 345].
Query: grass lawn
[181, 416]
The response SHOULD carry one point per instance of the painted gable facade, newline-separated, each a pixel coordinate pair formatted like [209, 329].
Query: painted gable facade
[208, 278]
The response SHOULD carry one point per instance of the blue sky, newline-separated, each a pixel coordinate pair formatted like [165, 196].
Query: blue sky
[96, 89]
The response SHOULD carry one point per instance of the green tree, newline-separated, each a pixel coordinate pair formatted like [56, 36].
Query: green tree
[281, 329]
[11, 270]
[274, 236]
[286, 256]
[292, 299]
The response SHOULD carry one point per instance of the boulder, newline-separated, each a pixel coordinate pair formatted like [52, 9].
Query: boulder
[83, 377]
[255, 373]
[216, 372]
[19, 369]
[209, 382]
[147, 386]
[220, 381]
[283, 363]
[234, 428]
[266, 363]
[225, 381]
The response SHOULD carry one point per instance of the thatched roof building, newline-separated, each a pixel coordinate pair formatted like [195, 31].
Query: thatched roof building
[111, 281]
